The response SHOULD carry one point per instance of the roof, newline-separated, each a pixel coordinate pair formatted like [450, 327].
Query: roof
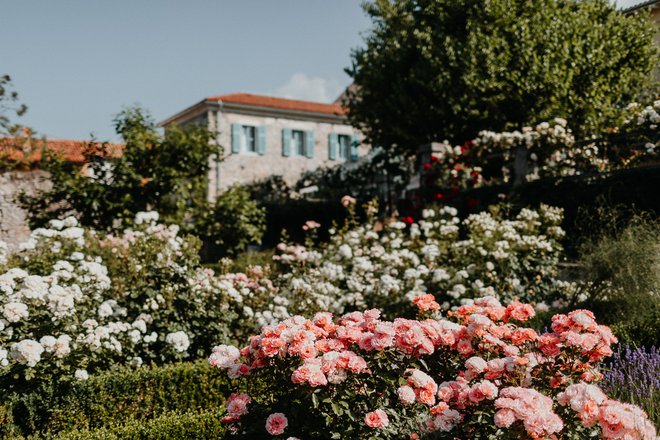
[641, 5]
[68, 149]
[280, 103]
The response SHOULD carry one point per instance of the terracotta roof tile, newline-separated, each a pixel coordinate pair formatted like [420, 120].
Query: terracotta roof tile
[281, 103]
[70, 150]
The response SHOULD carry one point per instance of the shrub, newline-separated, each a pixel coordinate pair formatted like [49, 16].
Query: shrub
[548, 150]
[620, 269]
[386, 264]
[476, 374]
[76, 301]
[116, 397]
[233, 222]
[172, 426]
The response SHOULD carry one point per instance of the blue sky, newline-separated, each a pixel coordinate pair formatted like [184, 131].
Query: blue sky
[76, 63]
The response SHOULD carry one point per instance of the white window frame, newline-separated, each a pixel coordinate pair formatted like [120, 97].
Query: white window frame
[295, 151]
[343, 151]
[244, 139]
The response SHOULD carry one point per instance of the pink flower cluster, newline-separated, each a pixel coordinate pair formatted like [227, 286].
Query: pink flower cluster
[496, 367]
[236, 407]
[332, 367]
[529, 406]
[579, 329]
[426, 303]
[617, 420]
[422, 386]
[376, 419]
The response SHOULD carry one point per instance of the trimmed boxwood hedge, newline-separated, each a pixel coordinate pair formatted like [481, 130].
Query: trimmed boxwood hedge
[192, 425]
[114, 397]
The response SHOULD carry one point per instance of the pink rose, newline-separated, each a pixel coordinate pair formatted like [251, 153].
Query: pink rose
[276, 423]
[406, 395]
[505, 418]
[376, 419]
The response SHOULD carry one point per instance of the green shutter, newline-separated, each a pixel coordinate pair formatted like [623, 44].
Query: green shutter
[235, 138]
[286, 142]
[355, 142]
[261, 140]
[332, 146]
[309, 144]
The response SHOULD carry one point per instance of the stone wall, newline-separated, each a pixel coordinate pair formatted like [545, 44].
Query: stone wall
[247, 167]
[13, 220]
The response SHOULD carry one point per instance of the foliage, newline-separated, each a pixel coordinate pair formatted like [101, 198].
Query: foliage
[380, 174]
[233, 221]
[621, 273]
[633, 375]
[440, 69]
[385, 264]
[272, 189]
[9, 105]
[548, 150]
[162, 172]
[122, 396]
[191, 425]
[479, 373]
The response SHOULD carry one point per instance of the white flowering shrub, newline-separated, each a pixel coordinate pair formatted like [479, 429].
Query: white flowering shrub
[385, 265]
[254, 299]
[547, 150]
[74, 301]
[60, 324]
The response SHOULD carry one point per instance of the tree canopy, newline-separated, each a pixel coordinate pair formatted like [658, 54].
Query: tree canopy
[9, 105]
[162, 172]
[445, 69]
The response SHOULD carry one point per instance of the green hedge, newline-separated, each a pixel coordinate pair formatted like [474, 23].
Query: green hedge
[115, 397]
[202, 425]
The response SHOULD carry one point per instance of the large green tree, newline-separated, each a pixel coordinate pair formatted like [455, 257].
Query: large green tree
[148, 171]
[445, 69]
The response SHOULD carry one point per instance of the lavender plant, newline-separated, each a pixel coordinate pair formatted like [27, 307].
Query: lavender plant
[633, 375]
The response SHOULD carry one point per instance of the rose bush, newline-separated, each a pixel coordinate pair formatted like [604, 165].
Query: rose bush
[385, 265]
[476, 373]
[547, 150]
[74, 301]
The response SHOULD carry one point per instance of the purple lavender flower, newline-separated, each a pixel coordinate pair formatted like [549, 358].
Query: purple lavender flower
[633, 375]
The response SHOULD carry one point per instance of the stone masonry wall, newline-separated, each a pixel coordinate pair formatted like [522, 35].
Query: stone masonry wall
[247, 167]
[13, 220]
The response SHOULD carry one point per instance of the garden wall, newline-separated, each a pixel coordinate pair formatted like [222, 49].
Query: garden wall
[13, 220]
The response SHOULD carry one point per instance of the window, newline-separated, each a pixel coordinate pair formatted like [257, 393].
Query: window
[344, 146]
[249, 139]
[298, 142]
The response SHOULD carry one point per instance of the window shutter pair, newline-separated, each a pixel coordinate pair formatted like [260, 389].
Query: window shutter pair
[286, 143]
[236, 136]
[333, 140]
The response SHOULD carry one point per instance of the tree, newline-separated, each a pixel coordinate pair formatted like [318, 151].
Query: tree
[9, 105]
[446, 69]
[162, 172]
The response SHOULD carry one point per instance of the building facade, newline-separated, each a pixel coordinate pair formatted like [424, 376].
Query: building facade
[264, 136]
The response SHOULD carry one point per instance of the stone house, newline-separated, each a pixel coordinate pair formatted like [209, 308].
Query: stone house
[264, 136]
